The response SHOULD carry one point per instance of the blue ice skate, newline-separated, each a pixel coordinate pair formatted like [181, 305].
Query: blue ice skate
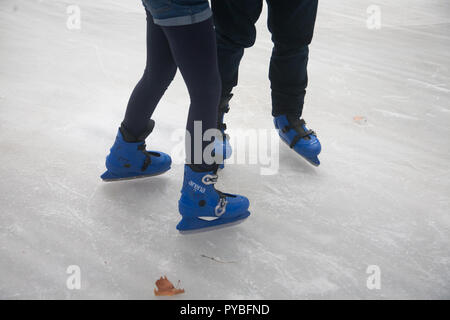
[202, 206]
[223, 147]
[294, 133]
[130, 160]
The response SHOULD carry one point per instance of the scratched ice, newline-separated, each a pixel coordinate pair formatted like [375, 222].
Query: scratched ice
[378, 98]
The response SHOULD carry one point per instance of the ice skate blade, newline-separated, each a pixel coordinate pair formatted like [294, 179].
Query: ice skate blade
[111, 177]
[310, 162]
[307, 160]
[205, 226]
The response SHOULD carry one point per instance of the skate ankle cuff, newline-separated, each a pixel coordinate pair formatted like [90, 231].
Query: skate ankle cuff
[203, 167]
[129, 137]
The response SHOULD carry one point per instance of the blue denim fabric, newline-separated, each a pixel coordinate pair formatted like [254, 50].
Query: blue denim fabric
[178, 12]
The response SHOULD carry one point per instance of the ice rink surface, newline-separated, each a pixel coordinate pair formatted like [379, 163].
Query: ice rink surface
[380, 197]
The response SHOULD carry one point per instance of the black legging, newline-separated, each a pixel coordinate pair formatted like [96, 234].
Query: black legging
[191, 48]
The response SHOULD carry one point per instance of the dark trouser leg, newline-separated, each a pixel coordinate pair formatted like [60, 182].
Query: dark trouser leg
[195, 53]
[158, 74]
[235, 30]
[291, 23]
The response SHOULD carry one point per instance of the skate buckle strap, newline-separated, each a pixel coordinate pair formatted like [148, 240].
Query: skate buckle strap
[209, 179]
[220, 209]
[147, 160]
[224, 107]
[222, 126]
[221, 206]
[147, 154]
[301, 132]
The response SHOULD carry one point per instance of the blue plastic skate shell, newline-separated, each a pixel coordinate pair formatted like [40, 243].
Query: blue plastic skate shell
[223, 148]
[309, 148]
[202, 207]
[196, 225]
[130, 160]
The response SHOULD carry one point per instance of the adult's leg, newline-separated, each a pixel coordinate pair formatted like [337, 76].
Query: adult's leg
[159, 73]
[235, 30]
[291, 23]
[195, 53]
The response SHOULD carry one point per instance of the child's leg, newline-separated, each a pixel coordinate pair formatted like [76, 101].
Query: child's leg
[128, 158]
[201, 205]
[158, 74]
[194, 51]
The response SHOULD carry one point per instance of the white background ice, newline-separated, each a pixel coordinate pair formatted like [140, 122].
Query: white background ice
[380, 197]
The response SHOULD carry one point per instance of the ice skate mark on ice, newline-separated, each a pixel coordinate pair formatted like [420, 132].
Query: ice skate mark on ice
[89, 201]
[396, 98]
[82, 220]
[216, 259]
[277, 262]
[276, 190]
[396, 114]
[437, 87]
[64, 187]
[99, 59]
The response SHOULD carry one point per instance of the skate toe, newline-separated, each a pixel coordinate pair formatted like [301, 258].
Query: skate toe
[309, 150]
[237, 205]
[160, 163]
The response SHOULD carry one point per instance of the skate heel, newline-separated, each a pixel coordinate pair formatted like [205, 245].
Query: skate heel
[190, 225]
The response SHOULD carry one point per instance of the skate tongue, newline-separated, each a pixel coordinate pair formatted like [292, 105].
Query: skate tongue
[295, 120]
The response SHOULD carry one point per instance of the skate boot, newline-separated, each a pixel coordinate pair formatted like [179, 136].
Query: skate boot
[202, 206]
[294, 133]
[128, 158]
[223, 146]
